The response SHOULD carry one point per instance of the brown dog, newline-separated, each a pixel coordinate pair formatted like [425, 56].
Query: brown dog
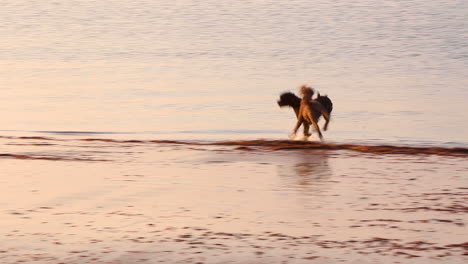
[310, 110]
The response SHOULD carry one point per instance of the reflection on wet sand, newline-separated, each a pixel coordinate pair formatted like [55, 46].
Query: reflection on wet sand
[307, 171]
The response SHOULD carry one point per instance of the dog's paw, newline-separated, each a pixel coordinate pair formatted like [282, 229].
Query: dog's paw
[292, 136]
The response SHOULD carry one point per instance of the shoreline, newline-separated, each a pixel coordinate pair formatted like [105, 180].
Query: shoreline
[262, 144]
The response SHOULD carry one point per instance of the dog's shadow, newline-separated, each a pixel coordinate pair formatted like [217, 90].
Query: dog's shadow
[306, 171]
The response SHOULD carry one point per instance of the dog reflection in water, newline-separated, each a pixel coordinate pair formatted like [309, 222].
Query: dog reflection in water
[307, 171]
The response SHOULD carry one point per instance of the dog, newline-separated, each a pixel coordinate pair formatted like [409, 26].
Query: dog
[308, 111]
[291, 100]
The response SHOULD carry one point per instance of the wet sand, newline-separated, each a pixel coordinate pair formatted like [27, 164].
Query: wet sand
[90, 200]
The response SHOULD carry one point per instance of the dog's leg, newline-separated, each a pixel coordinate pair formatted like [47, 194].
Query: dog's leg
[327, 119]
[314, 123]
[306, 129]
[299, 122]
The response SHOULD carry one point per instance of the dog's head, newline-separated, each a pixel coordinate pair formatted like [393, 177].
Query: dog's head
[306, 92]
[289, 99]
[325, 101]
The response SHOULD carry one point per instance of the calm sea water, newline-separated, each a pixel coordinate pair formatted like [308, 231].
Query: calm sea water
[396, 70]
[76, 73]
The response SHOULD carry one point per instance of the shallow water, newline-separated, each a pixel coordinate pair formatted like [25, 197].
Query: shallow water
[396, 70]
[108, 201]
